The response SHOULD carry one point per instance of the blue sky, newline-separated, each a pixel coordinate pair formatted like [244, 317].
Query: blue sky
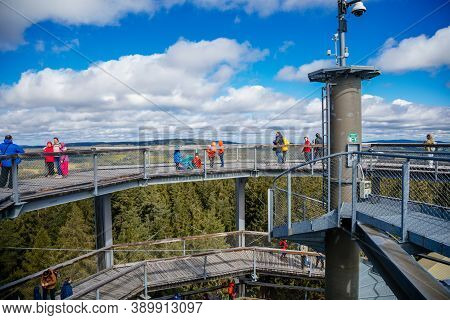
[285, 36]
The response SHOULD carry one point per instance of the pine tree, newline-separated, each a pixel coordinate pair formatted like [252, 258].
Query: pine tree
[36, 260]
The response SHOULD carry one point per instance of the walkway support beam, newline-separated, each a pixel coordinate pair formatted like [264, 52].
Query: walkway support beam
[103, 231]
[240, 208]
[342, 266]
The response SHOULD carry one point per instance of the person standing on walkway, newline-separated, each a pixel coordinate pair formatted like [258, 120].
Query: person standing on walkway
[49, 159]
[8, 148]
[318, 150]
[221, 151]
[428, 148]
[57, 149]
[197, 161]
[48, 283]
[283, 246]
[66, 289]
[64, 161]
[307, 149]
[284, 148]
[211, 153]
[278, 145]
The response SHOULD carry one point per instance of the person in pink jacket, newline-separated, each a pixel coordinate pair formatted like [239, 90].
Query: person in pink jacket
[64, 160]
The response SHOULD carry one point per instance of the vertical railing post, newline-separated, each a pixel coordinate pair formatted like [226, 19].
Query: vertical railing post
[328, 184]
[95, 165]
[269, 213]
[255, 160]
[304, 208]
[184, 247]
[204, 164]
[97, 294]
[312, 159]
[254, 276]
[354, 195]
[289, 201]
[405, 199]
[310, 266]
[339, 191]
[237, 154]
[15, 180]
[435, 170]
[145, 282]
[204, 266]
[146, 163]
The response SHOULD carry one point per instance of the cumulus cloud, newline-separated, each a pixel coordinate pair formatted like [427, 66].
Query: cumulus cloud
[17, 15]
[39, 46]
[290, 73]
[192, 81]
[403, 119]
[74, 43]
[286, 45]
[416, 53]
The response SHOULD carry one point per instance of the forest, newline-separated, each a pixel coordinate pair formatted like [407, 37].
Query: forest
[154, 212]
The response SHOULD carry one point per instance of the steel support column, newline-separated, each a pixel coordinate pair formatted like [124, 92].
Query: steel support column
[240, 208]
[342, 253]
[103, 229]
[342, 266]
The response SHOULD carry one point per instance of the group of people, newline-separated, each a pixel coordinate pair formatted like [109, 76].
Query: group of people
[49, 281]
[281, 147]
[54, 160]
[195, 162]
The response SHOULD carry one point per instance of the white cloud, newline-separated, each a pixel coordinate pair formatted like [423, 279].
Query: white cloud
[39, 46]
[401, 102]
[191, 80]
[286, 45]
[403, 119]
[290, 73]
[416, 53]
[105, 12]
[74, 43]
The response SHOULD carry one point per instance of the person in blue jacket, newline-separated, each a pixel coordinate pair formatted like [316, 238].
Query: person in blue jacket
[178, 158]
[8, 148]
[66, 290]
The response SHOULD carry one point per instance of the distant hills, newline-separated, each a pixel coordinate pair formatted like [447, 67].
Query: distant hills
[185, 142]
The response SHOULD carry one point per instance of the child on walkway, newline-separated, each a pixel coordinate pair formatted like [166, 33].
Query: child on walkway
[49, 159]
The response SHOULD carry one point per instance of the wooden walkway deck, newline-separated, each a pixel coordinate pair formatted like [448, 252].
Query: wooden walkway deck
[128, 280]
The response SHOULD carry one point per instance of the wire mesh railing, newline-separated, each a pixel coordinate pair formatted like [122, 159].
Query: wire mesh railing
[408, 191]
[83, 266]
[44, 173]
[141, 277]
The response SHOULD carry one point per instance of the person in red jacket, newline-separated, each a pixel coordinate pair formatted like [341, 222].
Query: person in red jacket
[283, 246]
[231, 291]
[307, 149]
[49, 159]
[197, 161]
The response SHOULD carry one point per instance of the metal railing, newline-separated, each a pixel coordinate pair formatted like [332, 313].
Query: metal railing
[97, 167]
[395, 188]
[203, 266]
[84, 266]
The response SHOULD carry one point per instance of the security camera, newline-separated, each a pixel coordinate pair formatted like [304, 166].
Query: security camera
[359, 9]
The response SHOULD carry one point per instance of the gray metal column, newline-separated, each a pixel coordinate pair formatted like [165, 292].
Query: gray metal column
[345, 128]
[240, 207]
[342, 253]
[103, 230]
[342, 266]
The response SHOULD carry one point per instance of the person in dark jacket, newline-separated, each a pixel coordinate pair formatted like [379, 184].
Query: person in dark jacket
[8, 148]
[66, 290]
[318, 151]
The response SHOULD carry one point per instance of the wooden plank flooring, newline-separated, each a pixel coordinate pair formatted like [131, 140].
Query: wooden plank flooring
[190, 268]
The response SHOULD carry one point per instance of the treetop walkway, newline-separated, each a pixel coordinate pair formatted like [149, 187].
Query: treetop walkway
[102, 171]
